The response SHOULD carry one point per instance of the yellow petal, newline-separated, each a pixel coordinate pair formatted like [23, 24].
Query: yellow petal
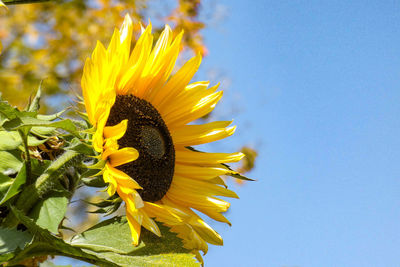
[98, 140]
[202, 173]
[135, 228]
[98, 85]
[153, 70]
[121, 178]
[126, 37]
[190, 135]
[184, 116]
[187, 157]
[201, 203]
[133, 203]
[187, 99]
[162, 213]
[206, 232]
[163, 41]
[88, 96]
[112, 184]
[191, 239]
[111, 189]
[196, 223]
[114, 43]
[176, 84]
[135, 66]
[150, 225]
[163, 70]
[116, 131]
[110, 146]
[122, 156]
[198, 187]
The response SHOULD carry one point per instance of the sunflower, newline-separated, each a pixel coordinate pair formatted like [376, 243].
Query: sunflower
[140, 116]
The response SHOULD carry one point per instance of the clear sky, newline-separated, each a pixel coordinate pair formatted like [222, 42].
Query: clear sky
[314, 86]
[316, 89]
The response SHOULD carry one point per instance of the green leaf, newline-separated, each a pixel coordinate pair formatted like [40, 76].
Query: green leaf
[5, 183]
[110, 235]
[29, 121]
[9, 140]
[111, 240]
[9, 162]
[51, 117]
[170, 259]
[48, 213]
[15, 186]
[47, 244]
[35, 104]
[8, 111]
[33, 141]
[12, 239]
[43, 131]
[2, 119]
[48, 263]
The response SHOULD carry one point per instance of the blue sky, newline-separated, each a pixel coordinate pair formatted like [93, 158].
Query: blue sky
[315, 86]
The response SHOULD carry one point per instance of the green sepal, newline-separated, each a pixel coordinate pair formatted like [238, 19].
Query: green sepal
[108, 206]
[94, 182]
[98, 165]
[80, 147]
[34, 105]
[107, 202]
[235, 174]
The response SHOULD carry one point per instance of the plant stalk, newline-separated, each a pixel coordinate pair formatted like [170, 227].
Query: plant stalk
[19, 2]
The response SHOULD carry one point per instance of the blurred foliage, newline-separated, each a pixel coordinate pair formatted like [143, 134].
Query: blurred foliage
[248, 162]
[50, 41]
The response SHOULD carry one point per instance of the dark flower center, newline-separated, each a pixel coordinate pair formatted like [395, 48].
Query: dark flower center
[147, 133]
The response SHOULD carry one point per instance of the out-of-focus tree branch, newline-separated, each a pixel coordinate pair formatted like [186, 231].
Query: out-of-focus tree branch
[50, 41]
[16, 2]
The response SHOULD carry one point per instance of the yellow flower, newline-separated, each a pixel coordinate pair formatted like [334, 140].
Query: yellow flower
[3, 6]
[140, 114]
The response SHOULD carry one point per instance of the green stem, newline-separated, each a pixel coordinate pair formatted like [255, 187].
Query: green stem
[44, 184]
[27, 158]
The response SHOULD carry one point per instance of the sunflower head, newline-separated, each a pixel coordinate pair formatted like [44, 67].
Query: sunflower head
[143, 133]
